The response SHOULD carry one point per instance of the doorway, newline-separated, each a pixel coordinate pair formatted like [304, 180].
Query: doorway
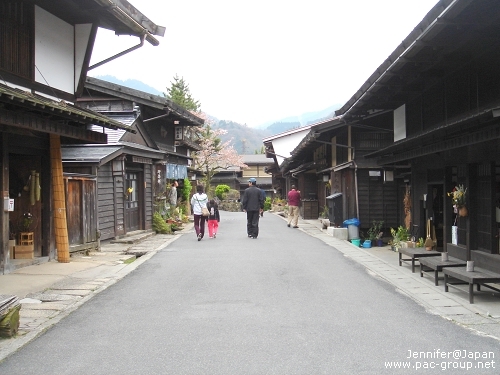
[133, 202]
[435, 212]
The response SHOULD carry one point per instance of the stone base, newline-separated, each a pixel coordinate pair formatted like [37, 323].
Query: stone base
[340, 233]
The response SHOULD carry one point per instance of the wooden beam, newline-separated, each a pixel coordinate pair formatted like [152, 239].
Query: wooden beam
[26, 121]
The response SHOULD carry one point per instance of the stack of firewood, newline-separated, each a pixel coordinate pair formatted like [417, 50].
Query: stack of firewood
[9, 315]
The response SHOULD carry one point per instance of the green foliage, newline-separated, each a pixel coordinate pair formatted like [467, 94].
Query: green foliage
[159, 224]
[267, 204]
[186, 190]
[324, 213]
[261, 151]
[399, 235]
[420, 242]
[221, 191]
[375, 230]
[179, 93]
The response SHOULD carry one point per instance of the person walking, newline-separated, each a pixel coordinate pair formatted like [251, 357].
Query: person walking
[293, 207]
[252, 203]
[213, 218]
[199, 201]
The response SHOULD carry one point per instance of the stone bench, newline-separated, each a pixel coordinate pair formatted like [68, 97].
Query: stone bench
[457, 257]
[486, 272]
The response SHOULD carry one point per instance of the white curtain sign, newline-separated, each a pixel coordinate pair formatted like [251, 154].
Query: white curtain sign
[454, 235]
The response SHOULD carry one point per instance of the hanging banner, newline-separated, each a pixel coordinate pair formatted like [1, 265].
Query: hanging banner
[454, 235]
[176, 172]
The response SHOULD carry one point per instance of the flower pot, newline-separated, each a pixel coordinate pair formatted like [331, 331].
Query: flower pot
[367, 244]
[380, 243]
[462, 211]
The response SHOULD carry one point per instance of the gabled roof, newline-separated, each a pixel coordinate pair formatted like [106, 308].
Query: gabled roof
[114, 135]
[117, 15]
[101, 154]
[256, 159]
[141, 97]
[284, 134]
[454, 33]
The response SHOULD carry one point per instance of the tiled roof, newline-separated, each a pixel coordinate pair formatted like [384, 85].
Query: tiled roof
[58, 108]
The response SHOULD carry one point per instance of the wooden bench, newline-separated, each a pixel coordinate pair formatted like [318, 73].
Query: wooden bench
[457, 257]
[414, 254]
[486, 271]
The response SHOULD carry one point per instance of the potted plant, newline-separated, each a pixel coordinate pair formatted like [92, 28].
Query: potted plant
[420, 242]
[458, 198]
[374, 233]
[399, 237]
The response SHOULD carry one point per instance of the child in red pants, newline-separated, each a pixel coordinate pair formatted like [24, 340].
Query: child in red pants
[213, 218]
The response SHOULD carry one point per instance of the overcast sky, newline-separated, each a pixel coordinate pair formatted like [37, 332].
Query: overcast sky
[264, 60]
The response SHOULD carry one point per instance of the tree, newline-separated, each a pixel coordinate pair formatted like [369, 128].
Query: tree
[215, 155]
[179, 93]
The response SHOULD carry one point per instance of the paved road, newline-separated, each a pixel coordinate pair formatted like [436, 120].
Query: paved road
[285, 303]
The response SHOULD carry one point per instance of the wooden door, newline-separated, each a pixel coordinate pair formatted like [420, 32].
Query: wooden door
[133, 202]
[80, 211]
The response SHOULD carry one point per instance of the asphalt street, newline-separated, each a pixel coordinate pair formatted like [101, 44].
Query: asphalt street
[285, 303]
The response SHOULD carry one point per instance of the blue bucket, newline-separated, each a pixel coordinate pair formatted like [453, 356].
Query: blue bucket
[356, 242]
[367, 244]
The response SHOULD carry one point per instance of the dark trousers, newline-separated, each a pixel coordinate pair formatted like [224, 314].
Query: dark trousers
[199, 224]
[253, 223]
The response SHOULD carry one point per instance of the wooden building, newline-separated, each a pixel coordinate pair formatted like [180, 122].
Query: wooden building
[132, 170]
[43, 69]
[438, 93]
[330, 160]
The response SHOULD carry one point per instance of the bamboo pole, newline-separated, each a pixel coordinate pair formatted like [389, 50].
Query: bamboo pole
[37, 187]
[32, 188]
[59, 200]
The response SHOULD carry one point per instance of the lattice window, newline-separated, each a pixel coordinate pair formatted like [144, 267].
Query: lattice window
[16, 35]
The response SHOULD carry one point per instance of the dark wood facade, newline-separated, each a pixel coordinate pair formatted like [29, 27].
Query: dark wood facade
[438, 92]
[32, 112]
[132, 170]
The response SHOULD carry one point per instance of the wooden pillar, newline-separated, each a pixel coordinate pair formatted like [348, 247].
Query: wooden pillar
[59, 200]
[4, 216]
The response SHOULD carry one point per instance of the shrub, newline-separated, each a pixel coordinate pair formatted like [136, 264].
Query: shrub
[221, 191]
[267, 204]
[159, 224]
[186, 190]
[233, 195]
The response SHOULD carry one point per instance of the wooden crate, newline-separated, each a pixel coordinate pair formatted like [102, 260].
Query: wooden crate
[24, 252]
[26, 238]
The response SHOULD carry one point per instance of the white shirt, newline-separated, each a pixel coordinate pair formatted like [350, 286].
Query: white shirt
[198, 201]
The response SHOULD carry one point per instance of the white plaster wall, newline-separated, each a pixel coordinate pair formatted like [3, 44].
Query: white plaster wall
[283, 146]
[54, 52]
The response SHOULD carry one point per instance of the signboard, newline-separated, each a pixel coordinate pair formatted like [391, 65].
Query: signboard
[8, 205]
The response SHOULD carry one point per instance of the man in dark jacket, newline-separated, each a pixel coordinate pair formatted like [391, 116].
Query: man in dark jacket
[252, 203]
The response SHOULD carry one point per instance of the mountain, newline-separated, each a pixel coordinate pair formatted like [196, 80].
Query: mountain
[300, 120]
[246, 140]
[132, 83]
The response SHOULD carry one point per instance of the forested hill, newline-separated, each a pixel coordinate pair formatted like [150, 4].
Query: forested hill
[246, 140]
